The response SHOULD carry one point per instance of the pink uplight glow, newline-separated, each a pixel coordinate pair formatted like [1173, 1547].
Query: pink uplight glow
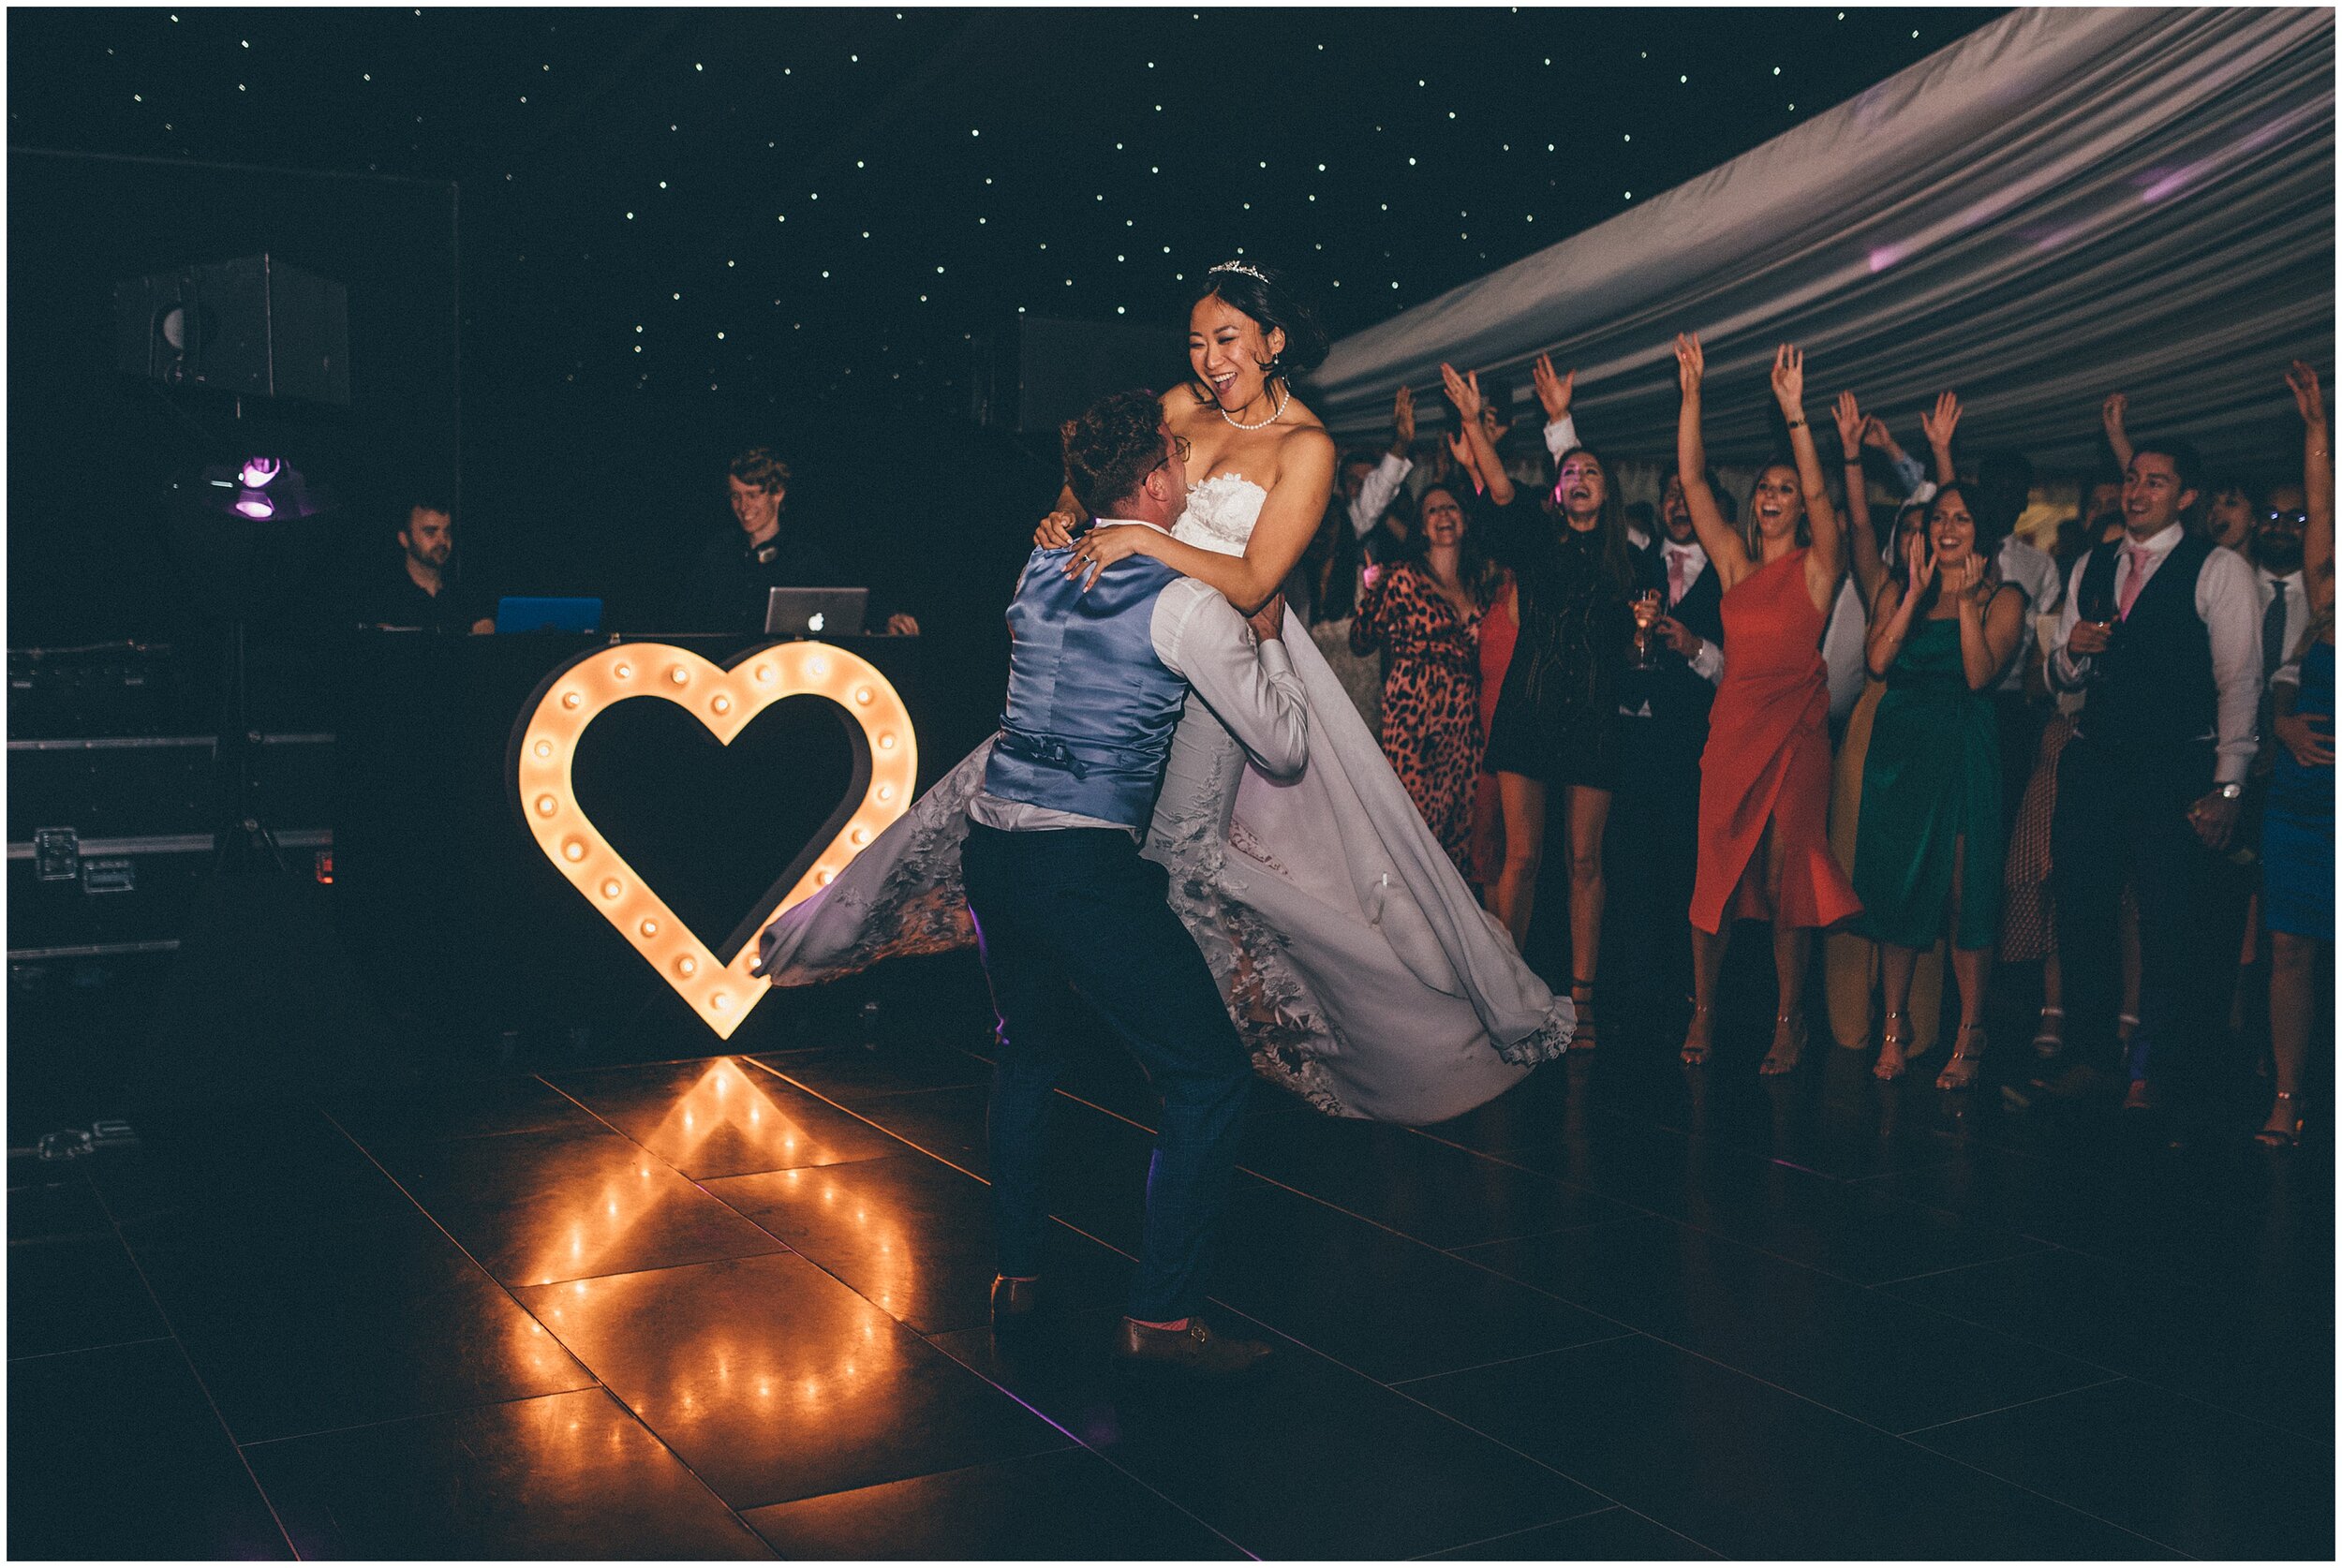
[253, 504]
[257, 472]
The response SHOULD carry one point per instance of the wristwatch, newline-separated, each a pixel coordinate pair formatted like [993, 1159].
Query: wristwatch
[2231, 792]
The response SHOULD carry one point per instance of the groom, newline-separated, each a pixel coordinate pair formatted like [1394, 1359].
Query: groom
[1062, 902]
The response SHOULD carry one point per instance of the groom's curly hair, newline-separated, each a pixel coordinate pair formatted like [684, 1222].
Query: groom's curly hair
[1111, 448]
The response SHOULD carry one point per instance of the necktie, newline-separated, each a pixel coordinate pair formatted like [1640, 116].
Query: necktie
[2273, 631]
[2140, 556]
[1675, 578]
[2271, 655]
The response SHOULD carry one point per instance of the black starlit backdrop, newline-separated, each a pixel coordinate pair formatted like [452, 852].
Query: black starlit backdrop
[683, 230]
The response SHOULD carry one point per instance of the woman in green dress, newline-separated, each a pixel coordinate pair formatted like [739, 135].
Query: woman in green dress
[1940, 635]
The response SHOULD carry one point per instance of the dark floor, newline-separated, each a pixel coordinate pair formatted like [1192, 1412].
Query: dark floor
[736, 1306]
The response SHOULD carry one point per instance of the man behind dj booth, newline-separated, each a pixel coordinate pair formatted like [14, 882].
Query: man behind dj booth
[424, 590]
[775, 548]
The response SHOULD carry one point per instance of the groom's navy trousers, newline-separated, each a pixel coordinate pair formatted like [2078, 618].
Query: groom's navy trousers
[1078, 910]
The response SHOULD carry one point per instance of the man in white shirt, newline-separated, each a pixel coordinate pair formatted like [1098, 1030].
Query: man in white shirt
[2162, 631]
[1370, 484]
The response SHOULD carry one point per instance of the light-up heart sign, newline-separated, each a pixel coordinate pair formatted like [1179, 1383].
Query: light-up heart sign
[726, 701]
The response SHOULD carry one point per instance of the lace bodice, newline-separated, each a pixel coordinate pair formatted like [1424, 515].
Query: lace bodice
[1220, 514]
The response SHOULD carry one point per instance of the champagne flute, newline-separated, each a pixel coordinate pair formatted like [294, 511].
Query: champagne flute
[2096, 605]
[1646, 606]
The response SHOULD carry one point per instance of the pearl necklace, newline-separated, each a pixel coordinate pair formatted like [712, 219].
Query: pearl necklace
[1264, 423]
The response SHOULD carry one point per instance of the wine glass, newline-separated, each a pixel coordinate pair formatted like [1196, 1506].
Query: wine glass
[1646, 606]
[2096, 604]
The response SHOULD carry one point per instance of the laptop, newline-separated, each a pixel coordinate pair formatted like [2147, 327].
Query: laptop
[815, 611]
[548, 615]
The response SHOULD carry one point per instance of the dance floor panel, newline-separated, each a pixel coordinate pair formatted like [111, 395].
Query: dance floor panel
[735, 1306]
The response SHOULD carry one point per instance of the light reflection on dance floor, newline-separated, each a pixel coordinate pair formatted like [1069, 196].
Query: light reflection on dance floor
[720, 1306]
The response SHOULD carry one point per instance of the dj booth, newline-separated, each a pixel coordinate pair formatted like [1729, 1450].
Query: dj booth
[449, 900]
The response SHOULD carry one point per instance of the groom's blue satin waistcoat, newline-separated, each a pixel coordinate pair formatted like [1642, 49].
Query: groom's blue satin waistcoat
[1091, 708]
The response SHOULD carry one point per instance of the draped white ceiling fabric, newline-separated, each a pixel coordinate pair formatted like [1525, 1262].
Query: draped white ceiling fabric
[2067, 202]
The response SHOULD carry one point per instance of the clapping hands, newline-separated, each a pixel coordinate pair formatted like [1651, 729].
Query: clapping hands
[1919, 564]
[1961, 578]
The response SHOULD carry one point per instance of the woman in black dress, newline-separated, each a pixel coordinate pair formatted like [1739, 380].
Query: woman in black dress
[1556, 726]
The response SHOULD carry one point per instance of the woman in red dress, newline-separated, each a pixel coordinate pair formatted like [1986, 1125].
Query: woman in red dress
[1764, 779]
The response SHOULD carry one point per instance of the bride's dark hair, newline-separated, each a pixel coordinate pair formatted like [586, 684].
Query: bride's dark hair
[1273, 302]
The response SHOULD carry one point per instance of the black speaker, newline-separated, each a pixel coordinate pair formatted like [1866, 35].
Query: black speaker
[1042, 370]
[254, 326]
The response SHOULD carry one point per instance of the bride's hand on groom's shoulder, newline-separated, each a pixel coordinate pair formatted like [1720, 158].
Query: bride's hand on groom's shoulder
[1055, 531]
[1103, 546]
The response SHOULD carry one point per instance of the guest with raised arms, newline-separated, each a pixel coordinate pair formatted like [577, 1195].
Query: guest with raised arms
[1764, 848]
[2297, 834]
[1555, 740]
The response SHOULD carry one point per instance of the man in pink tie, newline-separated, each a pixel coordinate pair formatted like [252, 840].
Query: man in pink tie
[1650, 846]
[2162, 631]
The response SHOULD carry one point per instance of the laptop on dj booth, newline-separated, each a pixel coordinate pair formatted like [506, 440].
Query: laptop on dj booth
[520, 614]
[815, 611]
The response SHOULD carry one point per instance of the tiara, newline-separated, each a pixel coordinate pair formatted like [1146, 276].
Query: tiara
[1244, 267]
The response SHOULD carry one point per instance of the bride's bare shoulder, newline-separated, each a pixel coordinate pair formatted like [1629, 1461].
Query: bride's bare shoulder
[1299, 416]
[1184, 403]
[1306, 440]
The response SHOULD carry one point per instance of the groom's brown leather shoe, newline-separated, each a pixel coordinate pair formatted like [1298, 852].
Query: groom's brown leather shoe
[1013, 1300]
[1195, 1349]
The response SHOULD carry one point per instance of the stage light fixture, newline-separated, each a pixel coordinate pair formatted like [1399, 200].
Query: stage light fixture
[726, 701]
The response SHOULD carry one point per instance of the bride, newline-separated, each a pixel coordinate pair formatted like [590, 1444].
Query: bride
[1355, 961]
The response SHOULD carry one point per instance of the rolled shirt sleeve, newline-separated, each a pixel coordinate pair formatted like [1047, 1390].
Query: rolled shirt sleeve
[2228, 601]
[1250, 684]
[1561, 435]
[1708, 663]
[2067, 673]
[1911, 474]
[1375, 496]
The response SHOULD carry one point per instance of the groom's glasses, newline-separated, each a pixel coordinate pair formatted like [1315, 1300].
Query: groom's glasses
[1179, 444]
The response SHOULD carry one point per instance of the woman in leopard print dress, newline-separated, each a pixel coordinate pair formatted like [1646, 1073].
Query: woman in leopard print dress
[1425, 609]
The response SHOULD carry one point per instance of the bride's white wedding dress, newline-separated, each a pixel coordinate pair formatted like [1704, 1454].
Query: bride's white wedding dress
[1357, 964]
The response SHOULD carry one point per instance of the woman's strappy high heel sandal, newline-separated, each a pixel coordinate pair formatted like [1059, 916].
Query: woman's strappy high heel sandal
[1967, 1050]
[2279, 1137]
[1789, 1029]
[1698, 1037]
[1897, 1037]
